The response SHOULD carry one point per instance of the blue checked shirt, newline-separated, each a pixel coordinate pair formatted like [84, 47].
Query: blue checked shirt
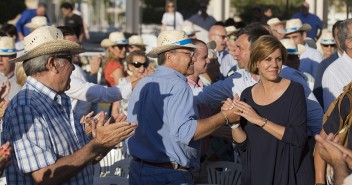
[41, 127]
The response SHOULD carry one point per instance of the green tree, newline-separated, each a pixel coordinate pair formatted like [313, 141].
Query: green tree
[10, 9]
[283, 9]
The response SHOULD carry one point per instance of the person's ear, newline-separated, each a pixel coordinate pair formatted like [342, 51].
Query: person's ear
[51, 66]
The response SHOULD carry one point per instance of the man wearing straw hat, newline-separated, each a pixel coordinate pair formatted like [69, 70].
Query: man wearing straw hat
[167, 140]
[8, 52]
[311, 58]
[49, 144]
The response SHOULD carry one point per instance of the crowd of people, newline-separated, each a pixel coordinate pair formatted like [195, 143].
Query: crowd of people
[254, 95]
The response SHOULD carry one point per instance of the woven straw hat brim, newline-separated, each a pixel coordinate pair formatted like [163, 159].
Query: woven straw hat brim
[107, 43]
[32, 26]
[161, 49]
[305, 27]
[50, 47]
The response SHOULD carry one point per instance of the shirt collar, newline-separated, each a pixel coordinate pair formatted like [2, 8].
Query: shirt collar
[164, 69]
[41, 88]
[346, 57]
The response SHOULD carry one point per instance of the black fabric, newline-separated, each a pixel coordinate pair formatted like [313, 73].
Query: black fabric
[76, 23]
[265, 159]
[332, 123]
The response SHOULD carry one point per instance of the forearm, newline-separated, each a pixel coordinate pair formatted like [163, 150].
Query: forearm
[206, 126]
[273, 129]
[340, 172]
[238, 135]
[68, 166]
[319, 167]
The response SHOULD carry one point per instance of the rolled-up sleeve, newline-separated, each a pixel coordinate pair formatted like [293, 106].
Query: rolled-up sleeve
[181, 115]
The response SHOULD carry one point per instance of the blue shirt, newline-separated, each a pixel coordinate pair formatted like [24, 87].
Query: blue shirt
[311, 19]
[41, 127]
[26, 17]
[162, 106]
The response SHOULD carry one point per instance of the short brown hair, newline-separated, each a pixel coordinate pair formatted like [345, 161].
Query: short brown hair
[262, 48]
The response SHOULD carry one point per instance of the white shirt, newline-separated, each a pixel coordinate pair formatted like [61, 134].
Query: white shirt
[310, 60]
[14, 87]
[335, 77]
[226, 64]
[168, 21]
[94, 93]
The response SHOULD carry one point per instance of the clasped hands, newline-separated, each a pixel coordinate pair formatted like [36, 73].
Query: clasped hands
[240, 108]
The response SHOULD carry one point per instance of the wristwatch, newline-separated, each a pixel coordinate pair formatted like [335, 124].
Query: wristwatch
[234, 125]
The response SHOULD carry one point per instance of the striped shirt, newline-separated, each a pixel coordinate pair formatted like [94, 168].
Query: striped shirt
[41, 127]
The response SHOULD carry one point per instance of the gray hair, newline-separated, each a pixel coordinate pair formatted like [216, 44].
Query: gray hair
[344, 32]
[36, 65]
[161, 58]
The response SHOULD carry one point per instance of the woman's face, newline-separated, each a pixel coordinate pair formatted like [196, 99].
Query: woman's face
[170, 7]
[138, 66]
[119, 51]
[328, 49]
[270, 68]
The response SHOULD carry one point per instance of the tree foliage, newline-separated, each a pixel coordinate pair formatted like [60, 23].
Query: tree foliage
[283, 9]
[10, 9]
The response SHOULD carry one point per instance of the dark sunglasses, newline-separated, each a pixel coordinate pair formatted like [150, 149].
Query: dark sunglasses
[121, 46]
[327, 45]
[139, 64]
[64, 56]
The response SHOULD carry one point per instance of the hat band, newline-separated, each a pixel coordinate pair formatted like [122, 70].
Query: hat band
[291, 50]
[182, 42]
[292, 29]
[7, 50]
[120, 41]
[327, 40]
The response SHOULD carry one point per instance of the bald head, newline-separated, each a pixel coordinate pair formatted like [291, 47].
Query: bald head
[218, 34]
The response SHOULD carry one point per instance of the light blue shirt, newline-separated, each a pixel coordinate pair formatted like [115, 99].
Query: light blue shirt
[162, 106]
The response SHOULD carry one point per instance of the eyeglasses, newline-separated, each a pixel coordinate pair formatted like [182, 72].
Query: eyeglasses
[191, 53]
[139, 64]
[222, 36]
[64, 56]
[327, 45]
[121, 46]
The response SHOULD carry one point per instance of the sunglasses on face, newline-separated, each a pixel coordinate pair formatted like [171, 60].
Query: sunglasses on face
[327, 45]
[121, 46]
[64, 56]
[139, 64]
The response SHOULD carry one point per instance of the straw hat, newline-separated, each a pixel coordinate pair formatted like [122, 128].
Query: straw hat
[231, 29]
[46, 40]
[7, 46]
[115, 38]
[327, 38]
[136, 40]
[169, 40]
[189, 29]
[292, 48]
[295, 25]
[274, 21]
[36, 22]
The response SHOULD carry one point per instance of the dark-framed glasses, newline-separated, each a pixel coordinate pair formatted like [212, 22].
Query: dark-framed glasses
[121, 46]
[327, 45]
[64, 56]
[139, 64]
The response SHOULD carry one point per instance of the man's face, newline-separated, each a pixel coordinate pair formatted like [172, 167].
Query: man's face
[7, 67]
[65, 11]
[242, 53]
[183, 61]
[74, 39]
[64, 67]
[232, 47]
[297, 37]
[40, 11]
[201, 64]
[219, 35]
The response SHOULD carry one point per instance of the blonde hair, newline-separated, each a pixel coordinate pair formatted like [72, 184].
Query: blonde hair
[21, 76]
[262, 48]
